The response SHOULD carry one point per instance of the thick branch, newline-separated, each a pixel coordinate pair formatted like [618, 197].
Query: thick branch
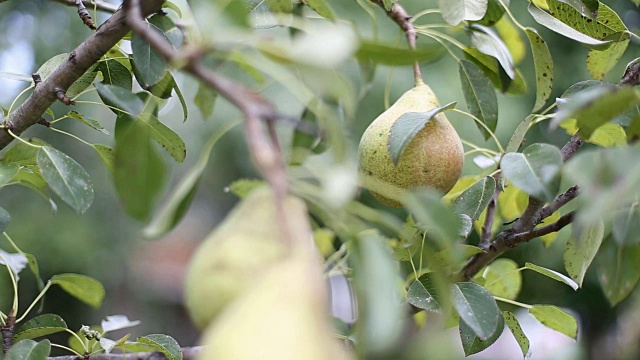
[188, 353]
[100, 5]
[85, 55]
[516, 239]
[7, 332]
[400, 16]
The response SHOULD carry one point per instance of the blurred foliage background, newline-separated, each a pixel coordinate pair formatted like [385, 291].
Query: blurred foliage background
[144, 277]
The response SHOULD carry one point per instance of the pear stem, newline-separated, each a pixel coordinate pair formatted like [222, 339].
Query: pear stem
[400, 16]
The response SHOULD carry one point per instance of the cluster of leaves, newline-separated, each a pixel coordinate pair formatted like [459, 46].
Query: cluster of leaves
[366, 244]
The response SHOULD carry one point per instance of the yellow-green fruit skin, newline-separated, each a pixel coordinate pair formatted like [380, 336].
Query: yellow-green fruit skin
[434, 157]
[236, 253]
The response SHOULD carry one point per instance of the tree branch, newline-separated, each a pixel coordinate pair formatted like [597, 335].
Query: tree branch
[84, 56]
[485, 237]
[100, 5]
[265, 153]
[400, 16]
[559, 202]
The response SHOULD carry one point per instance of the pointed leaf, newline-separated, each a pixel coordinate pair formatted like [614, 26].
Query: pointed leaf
[556, 319]
[82, 287]
[149, 66]
[107, 155]
[552, 274]
[423, 293]
[535, 171]
[40, 325]
[66, 178]
[581, 250]
[503, 279]
[167, 345]
[476, 308]
[543, 64]
[136, 155]
[479, 95]
[601, 62]
[114, 73]
[490, 66]
[164, 136]
[29, 350]
[512, 322]
[545, 19]
[407, 126]
[120, 98]
[618, 270]
[518, 135]
[182, 195]
[489, 43]
[87, 121]
[456, 11]
[472, 344]
[475, 199]
[596, 106]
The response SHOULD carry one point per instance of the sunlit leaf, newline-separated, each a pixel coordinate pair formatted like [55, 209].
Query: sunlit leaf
[489, 43]
[512, 322]
[456, 11]
[556, 319]
[82, 287]
[545, 19]
[552, 274]
[503, 279]
[543, 64]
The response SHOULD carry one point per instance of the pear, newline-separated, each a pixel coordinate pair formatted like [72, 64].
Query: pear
[284, 316]
[433, 158]
[234, 256]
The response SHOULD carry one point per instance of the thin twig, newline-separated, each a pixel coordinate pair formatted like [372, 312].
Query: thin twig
[265, 153]
[7, 331]
[556, 204]
[563, 221]
[400, 16]
[84, 15]
[100, 5]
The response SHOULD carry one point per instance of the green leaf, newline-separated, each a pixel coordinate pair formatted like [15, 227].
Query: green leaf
[476, 308]
[205, 100]
[163, 343]
[23, 154]
[489, 43]
[490, 66]
[376, 53]
[136, 155]
[121, 99]
[183, 193]
[66, 178]
[513, 324]
[535, 171]
[388, 4]
[114, 73]
[453, 258]
[479, 95]
[503, 279]
[552, 274]
[164, 136]
[518, 135]
[494, 12]
[424, 293]
[543, 64]
[601, 62]
[87, 121]
[107, 155]
[303, 144]
[581, 250]
[5, 219]
[607, 23]
[607, 135]
[40, 325]
[241, 188]
[183, 102]
[510, 34]
[617, 269]
[405, 128]
[596, 106]
[149, 66]
[625, 226]
[475, 199]
[471, 343]
[376, 279]
[426, 206]
[7, 172]
[322, 8]
[173, 33]
[456, 11]
[556, 319]
[545, 19]
[82, 287]
[29, 350]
